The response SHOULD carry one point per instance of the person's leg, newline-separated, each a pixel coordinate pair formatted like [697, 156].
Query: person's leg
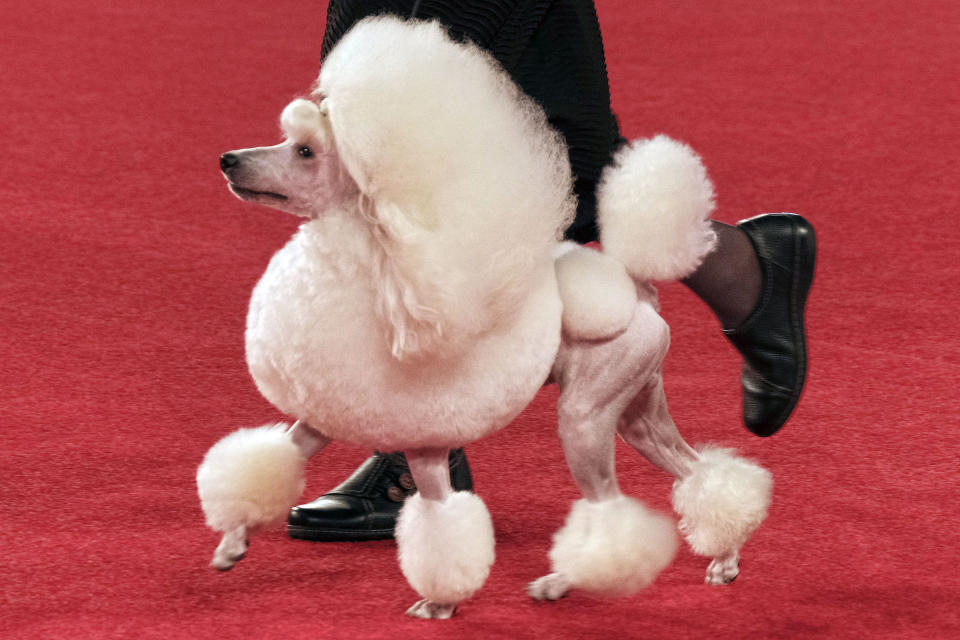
[730, 278]
[756, 282]
[758, 295]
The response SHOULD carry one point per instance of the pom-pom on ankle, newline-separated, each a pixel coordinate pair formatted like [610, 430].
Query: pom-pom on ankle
[722, 502]
[250, 478]
[613, 547]
[446, 548]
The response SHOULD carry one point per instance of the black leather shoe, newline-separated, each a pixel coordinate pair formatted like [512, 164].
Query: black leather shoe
[365, 505]
[772, 339]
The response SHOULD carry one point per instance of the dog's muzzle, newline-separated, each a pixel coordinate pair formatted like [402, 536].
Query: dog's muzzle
[229, 165]
[250, 194]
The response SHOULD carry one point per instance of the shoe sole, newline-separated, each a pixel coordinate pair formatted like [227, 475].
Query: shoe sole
[338, 535]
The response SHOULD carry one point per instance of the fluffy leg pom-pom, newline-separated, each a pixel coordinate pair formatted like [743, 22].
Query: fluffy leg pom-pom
[611, 548]
[722, 502]
[445, 550]
[250, 479]
[654, 202]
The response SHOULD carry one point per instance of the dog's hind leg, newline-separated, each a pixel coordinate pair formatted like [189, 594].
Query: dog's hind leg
[250, 479]
[721, 498]
[648, 427]
[723, 569]
[444, 537]
[721, 502]
[587, 436]
[610, 544]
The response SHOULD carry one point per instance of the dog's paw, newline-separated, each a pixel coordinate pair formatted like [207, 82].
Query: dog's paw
[231, 550]
[723, 570]
[431, 610]
[552, 586]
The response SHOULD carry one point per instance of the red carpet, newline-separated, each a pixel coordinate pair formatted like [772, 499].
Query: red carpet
[126, 267]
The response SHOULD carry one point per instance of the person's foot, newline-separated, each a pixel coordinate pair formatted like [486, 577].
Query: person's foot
[365, 506]
[772, 339]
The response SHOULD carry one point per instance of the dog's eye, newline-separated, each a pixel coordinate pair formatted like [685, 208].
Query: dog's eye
[305, 152]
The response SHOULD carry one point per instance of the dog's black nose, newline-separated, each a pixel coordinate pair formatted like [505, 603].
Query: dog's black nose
[228, 160]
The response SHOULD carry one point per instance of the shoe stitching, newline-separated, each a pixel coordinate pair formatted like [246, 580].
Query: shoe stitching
[773, 386]
[370, 481]
[365, 490]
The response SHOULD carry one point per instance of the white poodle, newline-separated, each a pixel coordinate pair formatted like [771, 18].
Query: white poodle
[427, 298]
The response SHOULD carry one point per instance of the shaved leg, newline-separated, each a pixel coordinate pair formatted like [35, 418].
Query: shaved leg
[308, 440]
[648, 427]
[431, 472]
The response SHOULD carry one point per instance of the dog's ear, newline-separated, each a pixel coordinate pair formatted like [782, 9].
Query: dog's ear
[410, 297]
[466, 187]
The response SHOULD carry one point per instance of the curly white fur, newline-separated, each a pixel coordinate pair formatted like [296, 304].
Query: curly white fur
[613, 547]
[447, 174]
[315, 349]
[722, 502]
[599, 298]
[654, 202]
[445, 548]
[250, 478]
[432, 290]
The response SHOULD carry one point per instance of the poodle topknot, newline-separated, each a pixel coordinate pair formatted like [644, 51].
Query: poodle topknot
[304, 120]
[451, 158]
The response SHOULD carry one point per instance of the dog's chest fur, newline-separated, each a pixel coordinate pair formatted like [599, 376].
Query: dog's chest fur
[317, 350]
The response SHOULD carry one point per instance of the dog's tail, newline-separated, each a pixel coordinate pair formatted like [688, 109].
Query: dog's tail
[654, 202]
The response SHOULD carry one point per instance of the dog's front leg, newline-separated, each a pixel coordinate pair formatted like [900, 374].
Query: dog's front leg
[250, 479]
[308, 440]
[231, 550]
[444, 538]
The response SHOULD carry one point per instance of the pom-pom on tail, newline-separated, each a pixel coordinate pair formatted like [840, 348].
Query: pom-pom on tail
[654, 203]
[446, 548]
[722, 502]
[250, 478]
[613, 547]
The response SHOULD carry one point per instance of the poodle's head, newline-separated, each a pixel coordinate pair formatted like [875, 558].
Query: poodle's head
[302, 175]
[460, 183]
